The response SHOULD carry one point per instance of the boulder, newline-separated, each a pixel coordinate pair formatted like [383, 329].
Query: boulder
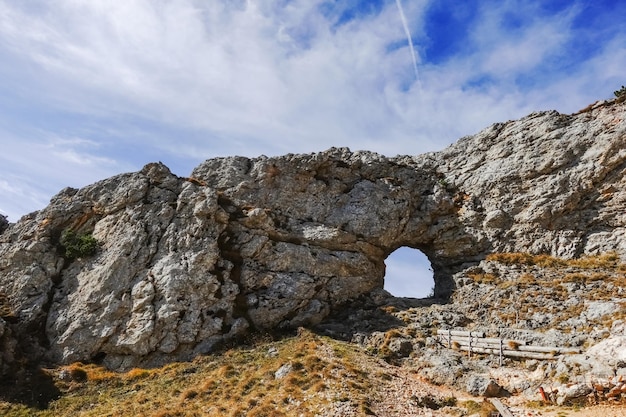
[572, 392]
[483, 386]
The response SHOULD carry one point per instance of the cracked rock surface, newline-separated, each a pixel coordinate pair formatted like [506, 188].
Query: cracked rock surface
[186, 263]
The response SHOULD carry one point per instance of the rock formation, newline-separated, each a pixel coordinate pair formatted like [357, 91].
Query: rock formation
[185, 263]
[4, 223]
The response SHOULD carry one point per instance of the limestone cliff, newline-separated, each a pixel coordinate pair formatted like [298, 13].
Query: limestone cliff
[185, 263]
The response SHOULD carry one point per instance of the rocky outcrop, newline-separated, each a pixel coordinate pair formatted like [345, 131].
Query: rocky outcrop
[185, 263]
[573, 309]
[8, 347]
[4, 223]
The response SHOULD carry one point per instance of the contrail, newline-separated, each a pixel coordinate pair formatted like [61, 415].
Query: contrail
[408, 36]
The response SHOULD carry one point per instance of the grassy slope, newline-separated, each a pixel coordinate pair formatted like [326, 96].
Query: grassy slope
[239, 382]
[327, 378]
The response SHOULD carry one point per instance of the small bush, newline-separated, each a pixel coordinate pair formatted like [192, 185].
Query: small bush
[78, 246]
[621, 92]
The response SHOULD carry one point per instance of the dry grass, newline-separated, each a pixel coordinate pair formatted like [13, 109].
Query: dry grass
[527, 279]
[238, 382]
[482, 409]
[542, 284]
[90, 372]
[507, 284]
[484, 278]
[389, 309]
[137, 373]
[605, 261]
[511, 258]
[512, 344]
[602, 269]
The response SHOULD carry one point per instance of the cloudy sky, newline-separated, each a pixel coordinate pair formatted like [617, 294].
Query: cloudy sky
[92, 88]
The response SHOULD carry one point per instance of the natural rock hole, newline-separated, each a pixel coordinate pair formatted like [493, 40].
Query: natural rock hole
[409, 274]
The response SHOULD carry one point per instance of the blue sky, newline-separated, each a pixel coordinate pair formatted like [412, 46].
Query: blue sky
[89, 89]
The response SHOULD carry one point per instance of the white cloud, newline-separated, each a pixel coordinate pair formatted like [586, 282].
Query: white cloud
[188, 80]
[36, 170]
[508, 49]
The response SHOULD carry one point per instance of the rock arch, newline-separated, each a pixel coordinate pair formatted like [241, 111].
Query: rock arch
[321, 228]
[279, 242]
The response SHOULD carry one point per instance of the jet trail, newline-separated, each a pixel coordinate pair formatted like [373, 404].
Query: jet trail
[408, 36]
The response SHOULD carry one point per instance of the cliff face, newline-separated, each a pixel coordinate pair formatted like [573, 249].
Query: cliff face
[185, 263]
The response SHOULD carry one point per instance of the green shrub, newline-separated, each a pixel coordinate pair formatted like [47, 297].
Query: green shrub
[621, 92]
[78, 246]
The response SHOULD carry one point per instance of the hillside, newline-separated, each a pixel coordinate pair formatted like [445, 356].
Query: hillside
[141, 287]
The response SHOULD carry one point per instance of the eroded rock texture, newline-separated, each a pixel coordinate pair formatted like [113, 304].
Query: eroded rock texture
[185, 263]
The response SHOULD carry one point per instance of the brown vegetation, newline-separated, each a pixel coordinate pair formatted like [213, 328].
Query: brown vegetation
[238, 382]
[545, 279]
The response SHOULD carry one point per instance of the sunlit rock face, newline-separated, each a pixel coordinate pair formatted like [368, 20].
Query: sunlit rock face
[185, 263]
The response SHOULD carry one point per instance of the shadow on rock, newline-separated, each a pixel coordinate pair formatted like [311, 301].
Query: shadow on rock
[368, 314]
[31, 387]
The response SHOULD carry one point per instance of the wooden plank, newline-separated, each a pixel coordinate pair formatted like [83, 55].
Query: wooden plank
[495, 340]
[510, 353]
[529, 348]
[548, 349]
[502, 409]
[460, 333]
[483, 342]
[521, 345]
[476, 344]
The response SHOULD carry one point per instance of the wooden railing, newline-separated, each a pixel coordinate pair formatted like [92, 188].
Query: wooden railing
[476, 342]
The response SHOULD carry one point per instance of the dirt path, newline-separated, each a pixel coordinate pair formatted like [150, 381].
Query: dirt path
[400, 392]
[595, 411]
[403, 393]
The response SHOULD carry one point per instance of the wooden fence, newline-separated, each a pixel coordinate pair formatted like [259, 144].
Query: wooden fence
[476, 342]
